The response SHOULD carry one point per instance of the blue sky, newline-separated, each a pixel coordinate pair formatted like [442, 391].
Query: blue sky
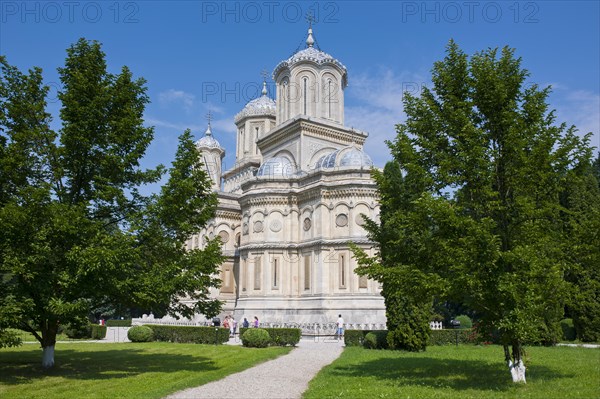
[201, 55]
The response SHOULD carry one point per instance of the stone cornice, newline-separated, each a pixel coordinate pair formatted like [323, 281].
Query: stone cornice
[314, 128]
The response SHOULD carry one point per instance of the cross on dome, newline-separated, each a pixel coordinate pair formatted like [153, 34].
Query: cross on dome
[209, 117]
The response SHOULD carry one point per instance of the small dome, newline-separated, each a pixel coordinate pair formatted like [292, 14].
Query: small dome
[327, 161]
[349, 156]
[356, 157]
[278, 166]
[311, 54]
[260, 106]
[208, 141]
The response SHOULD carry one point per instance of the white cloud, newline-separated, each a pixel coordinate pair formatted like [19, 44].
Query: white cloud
[177, 96]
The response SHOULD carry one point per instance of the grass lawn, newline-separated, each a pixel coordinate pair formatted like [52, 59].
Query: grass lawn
[123, 370]
[458, 372]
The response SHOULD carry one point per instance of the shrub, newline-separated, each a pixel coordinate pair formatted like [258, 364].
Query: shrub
[448, 337]
[140, 334]
[376, 340]
[280, 336]
[190, 335]
[78, 330]
[256, 338]
[98, 331]
[118, 323]
[354, 337]
[568, 330]
[465, 321]
[284, 336]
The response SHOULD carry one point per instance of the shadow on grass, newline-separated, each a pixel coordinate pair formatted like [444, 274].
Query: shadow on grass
[25, 366]
[456, 374]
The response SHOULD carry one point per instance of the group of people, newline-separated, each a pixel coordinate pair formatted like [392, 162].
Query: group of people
[231, 323]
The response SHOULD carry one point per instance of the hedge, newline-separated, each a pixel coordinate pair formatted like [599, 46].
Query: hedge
[280, 336]
[118, 323]
[568, 329]
[355, 337]
[190, 335]
[448, 337]
[437, 337]
[98, 331]
[376, 340]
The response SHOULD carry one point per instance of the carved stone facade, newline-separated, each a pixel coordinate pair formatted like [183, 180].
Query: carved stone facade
[294, 201]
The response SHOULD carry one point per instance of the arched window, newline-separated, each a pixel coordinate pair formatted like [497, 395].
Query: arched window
[305, 94]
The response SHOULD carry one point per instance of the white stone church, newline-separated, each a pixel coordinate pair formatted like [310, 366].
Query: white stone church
[292, 204]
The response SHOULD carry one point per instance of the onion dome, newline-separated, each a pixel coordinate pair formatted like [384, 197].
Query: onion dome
[311, 54]
[208, 141]
[275, 167]
[348, 156]
[260, 106]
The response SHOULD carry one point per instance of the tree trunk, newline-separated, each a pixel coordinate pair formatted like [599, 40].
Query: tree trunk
[515, 362]
[49, 329]
[48, 357]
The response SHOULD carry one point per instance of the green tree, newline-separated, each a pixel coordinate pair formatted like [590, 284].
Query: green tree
[76, 232]
[483, 165]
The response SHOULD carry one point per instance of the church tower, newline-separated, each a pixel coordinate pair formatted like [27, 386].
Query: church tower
[212, 155]
[310, 83]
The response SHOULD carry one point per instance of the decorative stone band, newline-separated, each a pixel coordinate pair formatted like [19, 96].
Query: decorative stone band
[289, 245]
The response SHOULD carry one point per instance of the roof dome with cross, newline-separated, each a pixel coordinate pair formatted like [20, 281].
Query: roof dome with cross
[311, 54]
[263, 105]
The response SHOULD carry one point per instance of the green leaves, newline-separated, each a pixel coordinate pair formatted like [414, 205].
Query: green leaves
[473, 205]
[76, 233]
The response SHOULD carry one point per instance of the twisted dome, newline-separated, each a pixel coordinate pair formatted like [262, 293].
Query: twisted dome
[311, 54]
[348, 156]
[277, 166]
[260, 106]
[208, 141]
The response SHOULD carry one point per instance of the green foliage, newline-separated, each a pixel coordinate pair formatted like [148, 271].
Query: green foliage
[355, 337]
[465, 321]
[140, 334]
[195, 335]
[376, 340]
[280, 336]
[256, 338]
[449, 337]
[118, 323]
[77, 233]
[78, 331]
[473, 203]
[98, 331]
[568, 330]
[284, 336]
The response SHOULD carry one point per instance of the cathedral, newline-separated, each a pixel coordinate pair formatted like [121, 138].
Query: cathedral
[294, 201]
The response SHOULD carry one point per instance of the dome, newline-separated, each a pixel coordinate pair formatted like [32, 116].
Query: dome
[356, 157]
[349, 156]
[208, 141]
[260, 106]
[313, 55]
[278, 166]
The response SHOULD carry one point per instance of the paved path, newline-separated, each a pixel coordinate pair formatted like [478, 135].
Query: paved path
[283, 378]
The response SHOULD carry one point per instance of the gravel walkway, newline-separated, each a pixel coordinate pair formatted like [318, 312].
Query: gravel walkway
[283, 378]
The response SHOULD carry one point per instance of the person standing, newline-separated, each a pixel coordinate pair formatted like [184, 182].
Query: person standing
[255, 325]
[246, 323]
[340, 327]
[232, 326]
